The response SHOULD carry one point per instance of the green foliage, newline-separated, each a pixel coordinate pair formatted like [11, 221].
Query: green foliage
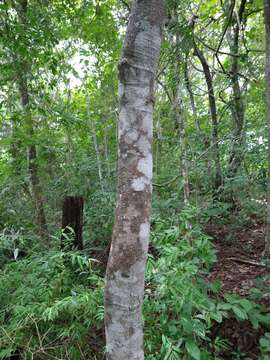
[265, 346]
[50, 305]
[56, 305]
[181, 305]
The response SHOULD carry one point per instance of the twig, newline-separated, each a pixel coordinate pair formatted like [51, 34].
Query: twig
[249, 262]
[195, 160]
[168, 182]
[226, 26]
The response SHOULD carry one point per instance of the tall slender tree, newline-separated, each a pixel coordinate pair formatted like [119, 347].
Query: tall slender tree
[238, 106]
[267, 83]
[22, 76]
[214, 115]
[126, 265]
[180, 120]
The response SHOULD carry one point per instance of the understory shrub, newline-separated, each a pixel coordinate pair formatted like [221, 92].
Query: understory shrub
[51, 304]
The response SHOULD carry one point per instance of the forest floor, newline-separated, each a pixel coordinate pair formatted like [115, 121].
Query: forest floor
[239, 270]
[239, 253]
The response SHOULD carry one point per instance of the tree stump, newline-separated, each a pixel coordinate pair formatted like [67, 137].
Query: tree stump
[72, 223]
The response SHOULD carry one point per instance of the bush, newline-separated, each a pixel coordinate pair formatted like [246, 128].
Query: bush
[51, 305]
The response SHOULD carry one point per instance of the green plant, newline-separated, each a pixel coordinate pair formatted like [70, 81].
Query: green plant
[49, 303]
[177, 294]
[265, 346]
[180, 304]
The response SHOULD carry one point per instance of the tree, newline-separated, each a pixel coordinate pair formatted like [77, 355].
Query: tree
[267, 80]
[126, 265]
[238, 107]
[180, 120]
[214, 116]
[22, 78]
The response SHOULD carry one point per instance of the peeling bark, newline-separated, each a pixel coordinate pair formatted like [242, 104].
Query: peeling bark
[126, 265]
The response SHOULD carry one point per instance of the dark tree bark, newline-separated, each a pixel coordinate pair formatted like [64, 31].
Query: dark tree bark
[72, 223]
[214, 117]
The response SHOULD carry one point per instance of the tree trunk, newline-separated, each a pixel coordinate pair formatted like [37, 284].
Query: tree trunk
[126, 265]
[72, 223]
[267, 80]
[106, 150]
[191, 96]
[238, 108]
[35, 187]
[213, 111]
[94, 136]
[181, 130]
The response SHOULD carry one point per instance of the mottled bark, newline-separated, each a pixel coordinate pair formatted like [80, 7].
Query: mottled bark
[126, 265]
[267, 83]
[214, 117]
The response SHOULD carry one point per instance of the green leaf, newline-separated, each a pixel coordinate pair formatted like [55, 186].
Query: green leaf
[240, 314]
[217, 316]
[254, 320]
[224, 306]
[5, 353]
[264, 342]
[246, 304]
[193, 349]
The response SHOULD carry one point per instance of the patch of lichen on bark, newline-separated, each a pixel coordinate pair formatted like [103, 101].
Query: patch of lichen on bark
[125, 258]
[126, 247]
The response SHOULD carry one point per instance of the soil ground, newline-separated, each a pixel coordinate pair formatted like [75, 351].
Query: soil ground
[232, 248]
[238, 277]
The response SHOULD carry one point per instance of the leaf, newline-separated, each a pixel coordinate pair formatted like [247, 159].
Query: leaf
[224, 306]
[216, 286]
[240, 314]
[217, 316]
[193, 349]
[265, 319]
[254, 320]
[246, 304]
[5, 353]
[264, 342]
